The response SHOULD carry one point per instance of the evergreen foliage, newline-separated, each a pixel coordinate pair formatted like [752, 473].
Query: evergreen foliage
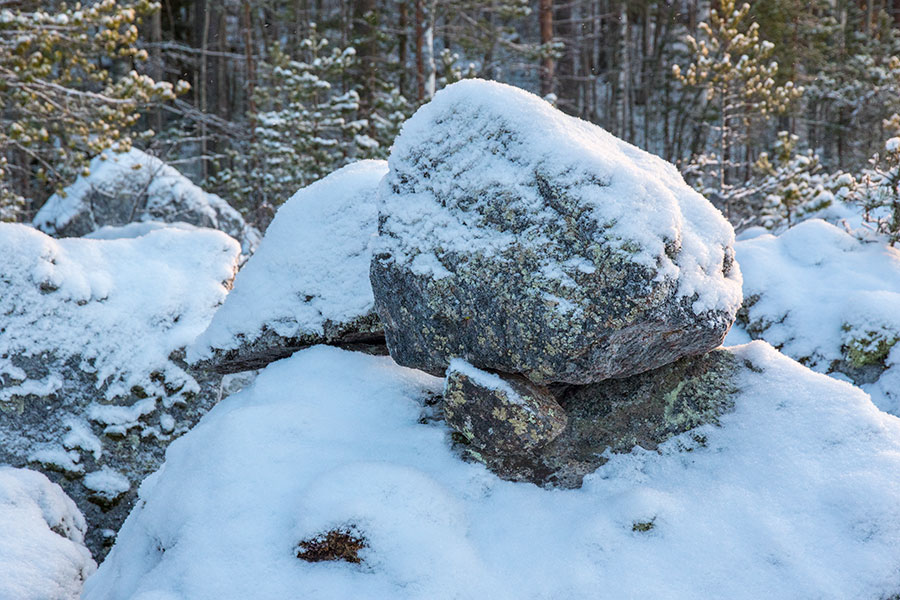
[730, 63]
[66, 94]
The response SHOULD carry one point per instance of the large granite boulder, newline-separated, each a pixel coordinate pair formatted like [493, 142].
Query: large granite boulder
[42, 552]
[615, 416]
[93, 383]
[136, 187]
[527, 241]
[308, 283]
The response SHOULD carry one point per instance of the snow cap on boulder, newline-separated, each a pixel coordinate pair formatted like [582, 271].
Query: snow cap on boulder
[135, 186]
[308, 283]
[528, 241]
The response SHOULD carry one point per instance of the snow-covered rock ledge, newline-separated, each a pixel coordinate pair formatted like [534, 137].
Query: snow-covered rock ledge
[308, 283]
[788, 498]
[129, 187]
[93, 384]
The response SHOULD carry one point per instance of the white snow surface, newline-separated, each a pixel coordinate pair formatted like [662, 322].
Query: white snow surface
[501, 139]
[42, 553]
[165, 187]
[135, 230]
[311, 267]
[484, 379]
[125, 304]
[819, 288]
[795, 496]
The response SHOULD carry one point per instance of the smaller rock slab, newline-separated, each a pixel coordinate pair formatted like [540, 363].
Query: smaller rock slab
[500, 413]
[617, 415]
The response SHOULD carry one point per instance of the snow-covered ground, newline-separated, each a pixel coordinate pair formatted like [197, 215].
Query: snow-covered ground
[792, 497]
[829, 300]
[42, 553]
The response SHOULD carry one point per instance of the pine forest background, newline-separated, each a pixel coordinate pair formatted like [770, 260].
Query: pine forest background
[772, 109]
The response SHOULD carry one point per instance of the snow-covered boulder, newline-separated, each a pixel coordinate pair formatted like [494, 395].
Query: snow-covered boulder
[794, 495]
[828, 300]
[93, 385]
[527, 241]
[42, 552]
[134, 186]
[308, 283]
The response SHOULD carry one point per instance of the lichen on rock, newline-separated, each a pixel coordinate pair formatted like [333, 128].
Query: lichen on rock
[499, 412]
[618, 414]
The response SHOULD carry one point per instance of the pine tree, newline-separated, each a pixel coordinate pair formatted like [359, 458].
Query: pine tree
[729, 63]
[304, 127]
[60, 101]
[878, 189]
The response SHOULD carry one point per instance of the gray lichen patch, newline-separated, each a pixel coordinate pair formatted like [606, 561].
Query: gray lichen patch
[500, 413]
[618, 414]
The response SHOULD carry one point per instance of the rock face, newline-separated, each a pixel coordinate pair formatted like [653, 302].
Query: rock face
[134, 186]
[526, 241]
[502, 413]
[42, 552]
[308, 283]
[93, 382]
[618, 414]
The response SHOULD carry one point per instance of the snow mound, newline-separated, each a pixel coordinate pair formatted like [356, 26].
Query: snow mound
[823, 297]
[789, 498]
[42, 553]
[120, 307]
[134, 186]
[310, 274]
[521, 148]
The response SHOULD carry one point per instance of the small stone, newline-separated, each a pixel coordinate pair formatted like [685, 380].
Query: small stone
[500, 413]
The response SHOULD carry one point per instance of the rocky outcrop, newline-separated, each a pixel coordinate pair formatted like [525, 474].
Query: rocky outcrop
[308, 283]
[525, 249]
[526, 241]
[135, 187]
[854, 333]
[615, 416]
[93, 382]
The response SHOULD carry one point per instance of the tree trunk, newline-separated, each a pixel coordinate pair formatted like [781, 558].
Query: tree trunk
[420, 44]
[364, 13]
[402, 43]
[545, 16]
